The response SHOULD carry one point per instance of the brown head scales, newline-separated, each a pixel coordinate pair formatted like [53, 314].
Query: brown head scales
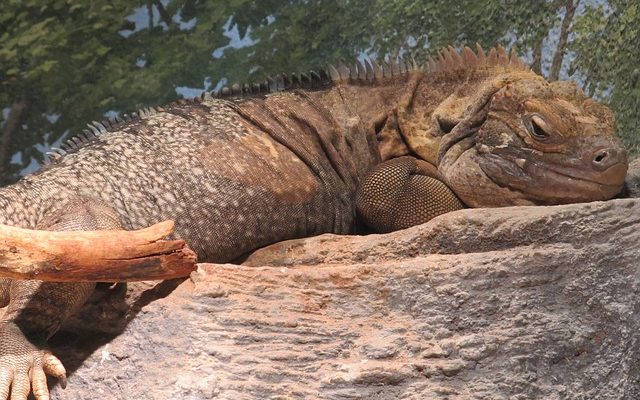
[502, 135]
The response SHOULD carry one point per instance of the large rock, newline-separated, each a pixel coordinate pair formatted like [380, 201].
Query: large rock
[514, 303]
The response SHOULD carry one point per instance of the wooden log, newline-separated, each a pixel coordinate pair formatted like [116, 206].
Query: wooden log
[94, 256]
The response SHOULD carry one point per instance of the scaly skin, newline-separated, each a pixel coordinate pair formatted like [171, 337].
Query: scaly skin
[239, 174]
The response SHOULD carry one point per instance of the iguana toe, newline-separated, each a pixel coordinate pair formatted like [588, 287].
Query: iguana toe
[39, 384]
[52, 366]
[20, 386]
[23, 366]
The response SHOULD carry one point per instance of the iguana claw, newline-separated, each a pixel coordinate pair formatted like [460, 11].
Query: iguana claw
[24, 367]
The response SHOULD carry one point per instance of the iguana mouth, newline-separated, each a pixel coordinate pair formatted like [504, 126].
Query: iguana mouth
[552, 183]
[605, 178]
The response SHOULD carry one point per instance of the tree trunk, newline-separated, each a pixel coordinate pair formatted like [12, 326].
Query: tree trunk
[163, 13]
[11, 127]
[570, 9]
[536, 64]
[150, 13]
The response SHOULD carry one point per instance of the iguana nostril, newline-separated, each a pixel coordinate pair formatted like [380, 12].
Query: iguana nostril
[605, 158]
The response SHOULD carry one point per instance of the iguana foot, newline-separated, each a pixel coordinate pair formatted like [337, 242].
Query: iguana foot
[23, 366]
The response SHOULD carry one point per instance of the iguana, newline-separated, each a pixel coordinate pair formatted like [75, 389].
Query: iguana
[286, 158]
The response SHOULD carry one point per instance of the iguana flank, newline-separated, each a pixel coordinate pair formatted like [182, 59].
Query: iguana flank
[302, 156]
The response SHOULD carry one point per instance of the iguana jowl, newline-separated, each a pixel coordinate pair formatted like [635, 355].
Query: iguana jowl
[239, 173]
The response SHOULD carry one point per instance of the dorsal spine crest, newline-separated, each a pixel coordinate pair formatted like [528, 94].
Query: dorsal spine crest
[368, 71]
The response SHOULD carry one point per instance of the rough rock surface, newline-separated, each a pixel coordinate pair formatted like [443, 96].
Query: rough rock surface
[513, 303]
[632, 181]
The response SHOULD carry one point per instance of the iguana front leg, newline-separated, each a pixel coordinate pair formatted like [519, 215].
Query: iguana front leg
[403, 192]
[37, 309]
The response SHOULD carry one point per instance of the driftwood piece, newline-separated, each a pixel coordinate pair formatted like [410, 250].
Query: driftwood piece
[93, 256]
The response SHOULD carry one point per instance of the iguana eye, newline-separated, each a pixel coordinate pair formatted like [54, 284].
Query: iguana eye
[537, 127]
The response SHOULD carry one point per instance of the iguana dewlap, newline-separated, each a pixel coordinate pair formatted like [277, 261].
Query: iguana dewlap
[267, 164]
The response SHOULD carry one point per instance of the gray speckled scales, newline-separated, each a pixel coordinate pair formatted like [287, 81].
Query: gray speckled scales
[234, 175]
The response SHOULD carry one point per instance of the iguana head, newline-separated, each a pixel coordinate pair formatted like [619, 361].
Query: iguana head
[514, 138]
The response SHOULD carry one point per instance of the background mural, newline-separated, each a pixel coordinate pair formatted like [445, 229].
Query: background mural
[64, 63]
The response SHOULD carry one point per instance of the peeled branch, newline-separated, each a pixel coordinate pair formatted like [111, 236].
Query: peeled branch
[94, 256]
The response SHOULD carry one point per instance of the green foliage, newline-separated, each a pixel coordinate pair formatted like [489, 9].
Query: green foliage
[607, 45]
[80, 59]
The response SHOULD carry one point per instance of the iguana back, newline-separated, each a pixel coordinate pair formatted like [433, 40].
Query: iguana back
[235, 175]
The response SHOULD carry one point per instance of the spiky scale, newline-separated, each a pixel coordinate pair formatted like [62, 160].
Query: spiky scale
[58, 150]
[271, 84]
[53, 156]
[395, 67]
[442, 61]
[360, 71]
[353, 72]
[503, 59]
[280, 83]
[286, 79]
[314, 76]
[88, 134]
[450, 62]
[95, 130]
[334, 73]
[433, 66]
[455, 56]
[482, 58]
[492, 57]
[225, 91]
[99, 126]
[413, 65]
[368, 70]
[378, 73]
[515, 61]
[295, 80]
[386, 69]
[345, 72]
[324, 75]
[468, 57]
